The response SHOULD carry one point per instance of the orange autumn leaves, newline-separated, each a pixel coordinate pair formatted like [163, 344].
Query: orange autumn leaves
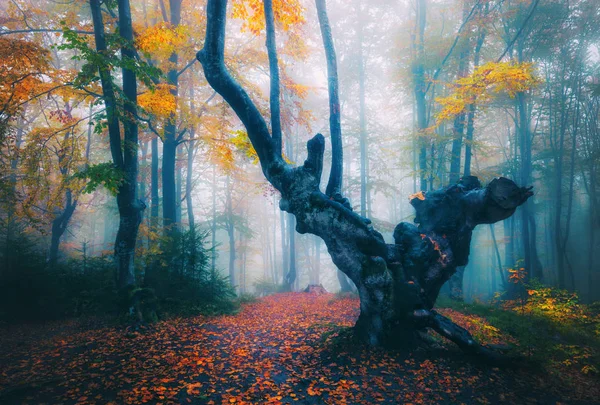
[287, 13]
[23, 66]
[162, 40]
[159, 101]
[283, 349]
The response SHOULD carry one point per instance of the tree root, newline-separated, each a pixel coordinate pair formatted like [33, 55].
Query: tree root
[462, 338]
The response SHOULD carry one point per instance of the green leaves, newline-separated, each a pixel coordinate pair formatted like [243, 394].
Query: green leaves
[102, 174]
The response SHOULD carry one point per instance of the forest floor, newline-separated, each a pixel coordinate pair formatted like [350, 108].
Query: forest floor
[285, 348]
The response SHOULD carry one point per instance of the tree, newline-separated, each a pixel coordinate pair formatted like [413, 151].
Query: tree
[398, 284]
[420, 90]
[125, 154]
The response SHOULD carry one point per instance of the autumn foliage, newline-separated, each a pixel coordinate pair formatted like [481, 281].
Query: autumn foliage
[487, 81]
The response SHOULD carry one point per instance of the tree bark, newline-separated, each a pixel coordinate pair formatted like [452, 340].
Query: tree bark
[213, 258]
[362, 117]
[274, 75]
[290, 276]
[171, 141]
[130, 208]
[230, 226]
[472, 109]
[125, 155]
[59, 226]
[335, 175]
[63, 216]
[498, 258]
[459, 120]
[420, 90]
[284, 247]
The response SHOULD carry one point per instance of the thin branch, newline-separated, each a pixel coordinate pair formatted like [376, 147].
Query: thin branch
[25, 31]
[512, 42]
[189, 65]
[439, 69]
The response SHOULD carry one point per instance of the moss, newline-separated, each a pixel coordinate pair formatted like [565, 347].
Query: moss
[556, 345]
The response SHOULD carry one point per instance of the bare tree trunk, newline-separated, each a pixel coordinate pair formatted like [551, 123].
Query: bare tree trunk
[420, 89]
[125, 155]
[274, 75]
[335, 175]
[284, 247]
[190, 167]
[213, 258]
[472, 109]
[459, 121]
[498, 258]
[317, 261]
[171, 138]
[290, 277]
[230, 226]
[362, 117]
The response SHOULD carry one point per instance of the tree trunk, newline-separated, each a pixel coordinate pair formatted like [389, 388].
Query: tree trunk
[420, 90]
[397, 283]
[317, 268]
[456, 284]
[345, 285]
[213, 258]
[284, 247]
[124, 155]
[171, 141]
[472, 109]
[178, 187]
[335, 175]
[154, 182]
[290, 277]
[362, 117]
[130, 208]
[498, 258]
[188, 183]
[59, 226]
[143, 182]
[230, 226]
[459, 120]
[274, 75]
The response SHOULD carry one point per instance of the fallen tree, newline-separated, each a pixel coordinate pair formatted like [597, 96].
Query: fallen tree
[398, 283]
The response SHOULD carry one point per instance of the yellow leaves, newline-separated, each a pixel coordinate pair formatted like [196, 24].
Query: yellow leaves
[159, 102]
[287, 13]
[221, 154]
[162, 40]
[486, 81]
[299, 90]
[242, 143]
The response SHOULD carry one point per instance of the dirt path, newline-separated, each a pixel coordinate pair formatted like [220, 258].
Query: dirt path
[282, 349]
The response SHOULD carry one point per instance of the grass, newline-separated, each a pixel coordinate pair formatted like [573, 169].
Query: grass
[568, 347]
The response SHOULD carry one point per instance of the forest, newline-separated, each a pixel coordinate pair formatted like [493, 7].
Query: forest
[297, 201]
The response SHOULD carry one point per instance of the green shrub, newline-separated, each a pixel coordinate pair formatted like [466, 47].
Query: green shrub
[182, 284]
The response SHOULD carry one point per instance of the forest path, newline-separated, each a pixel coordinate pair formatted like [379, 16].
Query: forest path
[280, 349]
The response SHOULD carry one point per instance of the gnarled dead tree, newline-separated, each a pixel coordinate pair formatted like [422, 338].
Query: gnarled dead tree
[398, 283]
